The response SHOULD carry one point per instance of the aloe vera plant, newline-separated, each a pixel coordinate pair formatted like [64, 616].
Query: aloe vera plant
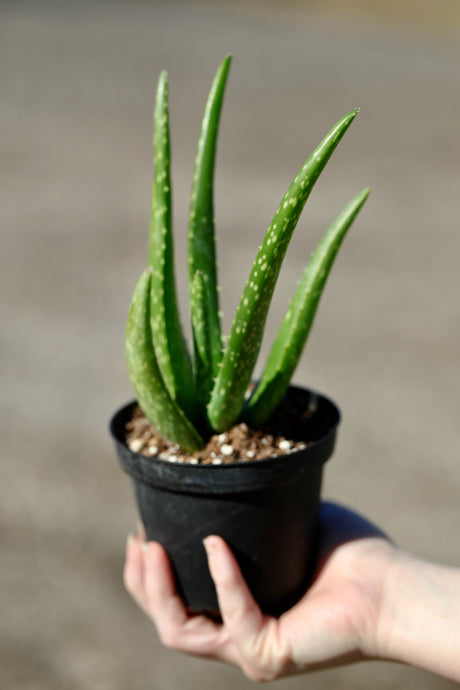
[187, 397]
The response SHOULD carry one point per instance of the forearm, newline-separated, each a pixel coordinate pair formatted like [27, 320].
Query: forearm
[420, 619]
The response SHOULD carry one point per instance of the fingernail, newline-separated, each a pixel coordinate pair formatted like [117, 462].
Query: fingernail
[144, 546]
[209, 544]
[130, 539]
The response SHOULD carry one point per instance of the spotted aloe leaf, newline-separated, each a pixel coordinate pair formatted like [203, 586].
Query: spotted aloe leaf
[227, 399]
[290, 341]
[146, 378]
[201, 340]
[169, 342]
[204, 302]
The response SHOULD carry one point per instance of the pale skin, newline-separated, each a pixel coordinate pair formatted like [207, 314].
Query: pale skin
[369, 600]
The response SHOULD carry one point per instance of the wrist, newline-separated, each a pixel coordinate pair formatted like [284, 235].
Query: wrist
[420, 616]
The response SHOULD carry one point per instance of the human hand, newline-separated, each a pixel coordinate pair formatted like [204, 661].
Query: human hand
[335, 622]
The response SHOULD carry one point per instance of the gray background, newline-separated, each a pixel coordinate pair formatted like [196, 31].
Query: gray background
[77, 90]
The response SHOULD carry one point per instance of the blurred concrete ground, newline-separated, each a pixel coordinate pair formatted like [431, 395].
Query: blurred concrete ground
[77, 85]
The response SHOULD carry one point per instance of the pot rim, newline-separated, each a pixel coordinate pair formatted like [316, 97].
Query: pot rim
[236, 476]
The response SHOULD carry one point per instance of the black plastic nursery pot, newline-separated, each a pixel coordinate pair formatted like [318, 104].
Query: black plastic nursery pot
[266, 510]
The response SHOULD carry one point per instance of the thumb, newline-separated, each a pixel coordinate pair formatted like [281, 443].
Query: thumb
[253, 634]
[241, 615]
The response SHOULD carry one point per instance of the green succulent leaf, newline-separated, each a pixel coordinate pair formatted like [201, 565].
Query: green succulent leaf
[170, 347]
[146, 379]
[243, 345]
[204, 303]
[290, 341]
[201, 340]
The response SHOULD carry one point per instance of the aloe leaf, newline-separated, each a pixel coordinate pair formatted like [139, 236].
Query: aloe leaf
[204, 303]
[201, 340]
[291, 338]
[170, 348]
[244, 341]
[146, 379]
